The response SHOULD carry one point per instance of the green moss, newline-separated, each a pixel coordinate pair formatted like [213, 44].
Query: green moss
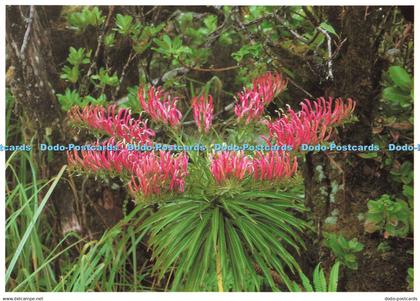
[323, 191]
[335, 187]
[320, 171]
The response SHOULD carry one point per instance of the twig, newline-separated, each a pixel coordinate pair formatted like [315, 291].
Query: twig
[100, 39]
[300, 88]
[221, 69]
[382, 29]
[215, 34]
[124, 70]
[151, 10]
[337, 50]
[294, 33]
[257, 21]
[242, 27]
[15, 47]
[270, 16]
[27, 32]
[329, 62]
[173, 73]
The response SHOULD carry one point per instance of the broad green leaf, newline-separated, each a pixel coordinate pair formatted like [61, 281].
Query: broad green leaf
[397, 96]
[400, 77]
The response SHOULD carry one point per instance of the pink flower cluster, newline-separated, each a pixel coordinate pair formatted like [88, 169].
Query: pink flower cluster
[154, 173]
[228, 164]
[270, 166]
[112, 122]
[159, 105]
[113, 158]
[273, 166]
[269, 86]
[312, 124]
[249, 106]
[323, 110]
[149, 172]
[203, 112]
[159, 173]
[251, 102]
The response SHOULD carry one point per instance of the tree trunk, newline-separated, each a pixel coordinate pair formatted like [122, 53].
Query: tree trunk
[32, 78]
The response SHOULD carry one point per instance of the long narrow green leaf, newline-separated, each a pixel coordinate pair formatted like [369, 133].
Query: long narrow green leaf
[306, 282]
[32, 224]
[319, 279]
[333, 280]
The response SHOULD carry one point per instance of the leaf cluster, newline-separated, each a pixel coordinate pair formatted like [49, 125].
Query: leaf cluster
[345, 250]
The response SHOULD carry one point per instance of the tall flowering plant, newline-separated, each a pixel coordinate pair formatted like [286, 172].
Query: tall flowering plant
[214, 212]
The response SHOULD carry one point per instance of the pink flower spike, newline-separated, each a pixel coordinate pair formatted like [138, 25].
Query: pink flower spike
[156, 174]
[249, 106]
[250, 103]
[269, 86]
[159, 105]
[150, 172]
[313, 124]
[116, 124]
[203, 112]
[273, 166]
[227, 164]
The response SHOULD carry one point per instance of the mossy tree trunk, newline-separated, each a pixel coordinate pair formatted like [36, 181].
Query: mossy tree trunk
[32, 78]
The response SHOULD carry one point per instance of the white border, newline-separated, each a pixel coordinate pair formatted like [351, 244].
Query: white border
[216, 2]
[203, 296]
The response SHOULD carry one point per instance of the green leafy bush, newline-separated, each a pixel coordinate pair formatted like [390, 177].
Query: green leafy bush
[102, 78]
[247, 51]
[124, 24]
[400, 92]
[404, 174]
[171, 48]
[388, 216]
[75, 58]
[345, 250]
[72, 98]
[79, 21]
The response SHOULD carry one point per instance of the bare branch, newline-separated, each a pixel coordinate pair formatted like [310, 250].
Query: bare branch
[300, 88]
[100, 39]
[329, 47]
[131, 57]
[27, 32]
